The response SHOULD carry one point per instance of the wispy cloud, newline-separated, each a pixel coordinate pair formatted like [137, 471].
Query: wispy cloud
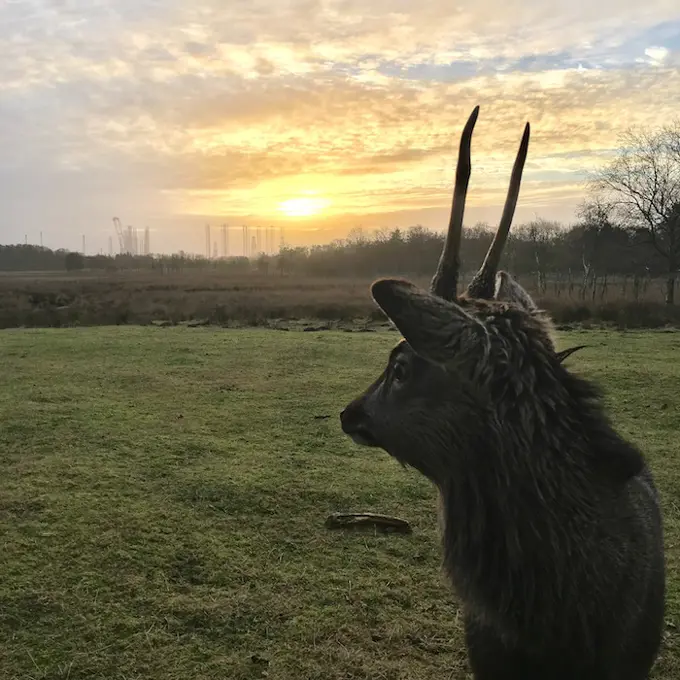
[171, 113]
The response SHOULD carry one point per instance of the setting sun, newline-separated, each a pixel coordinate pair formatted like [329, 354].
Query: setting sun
[303, 207]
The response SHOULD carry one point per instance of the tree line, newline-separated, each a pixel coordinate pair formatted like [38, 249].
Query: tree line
[542, 250]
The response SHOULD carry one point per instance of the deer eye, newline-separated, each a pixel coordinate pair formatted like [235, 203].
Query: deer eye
[399, 371]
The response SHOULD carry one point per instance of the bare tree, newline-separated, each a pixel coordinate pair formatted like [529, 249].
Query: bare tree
[642, 184]
[540, 235]
[596, 216]
[552, 531]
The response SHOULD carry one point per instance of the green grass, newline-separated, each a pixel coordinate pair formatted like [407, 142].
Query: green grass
[163, 497]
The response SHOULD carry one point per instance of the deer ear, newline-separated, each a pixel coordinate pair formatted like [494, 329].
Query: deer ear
[508, 290]
[436, 329]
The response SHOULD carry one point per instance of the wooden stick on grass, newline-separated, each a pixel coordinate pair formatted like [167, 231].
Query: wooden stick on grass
[348, 520]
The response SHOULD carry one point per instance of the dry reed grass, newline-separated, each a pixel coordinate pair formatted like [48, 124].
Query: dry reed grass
[93, 299]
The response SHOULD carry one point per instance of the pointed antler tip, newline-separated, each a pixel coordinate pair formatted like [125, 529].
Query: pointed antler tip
[524, 144]
[469, 127]
[472, 119]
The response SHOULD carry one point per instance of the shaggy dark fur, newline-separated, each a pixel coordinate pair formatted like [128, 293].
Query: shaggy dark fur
[552, 533]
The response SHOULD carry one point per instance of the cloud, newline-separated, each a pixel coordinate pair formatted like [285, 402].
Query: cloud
[657, 55]
[163, 110]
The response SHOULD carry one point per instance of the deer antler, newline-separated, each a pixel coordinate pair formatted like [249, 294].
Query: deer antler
[483, 283]
[445, 280]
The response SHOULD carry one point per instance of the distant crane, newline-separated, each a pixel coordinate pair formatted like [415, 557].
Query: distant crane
[128, 239]
[119, 234]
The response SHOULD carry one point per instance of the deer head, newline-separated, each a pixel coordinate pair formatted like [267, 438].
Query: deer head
[464, 360]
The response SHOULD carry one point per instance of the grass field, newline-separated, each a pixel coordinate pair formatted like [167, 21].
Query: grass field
[163, 497]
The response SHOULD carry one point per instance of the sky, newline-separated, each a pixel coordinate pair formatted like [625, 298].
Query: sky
[315, 115]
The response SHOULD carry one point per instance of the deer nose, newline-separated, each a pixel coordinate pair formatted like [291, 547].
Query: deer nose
[350, 415]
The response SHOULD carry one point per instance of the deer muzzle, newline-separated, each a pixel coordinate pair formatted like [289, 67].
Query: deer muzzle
[357, 424]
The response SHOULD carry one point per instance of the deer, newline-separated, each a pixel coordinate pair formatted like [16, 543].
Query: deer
[551, 525]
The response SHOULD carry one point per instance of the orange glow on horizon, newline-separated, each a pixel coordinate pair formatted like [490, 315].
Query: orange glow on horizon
[303, 207]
